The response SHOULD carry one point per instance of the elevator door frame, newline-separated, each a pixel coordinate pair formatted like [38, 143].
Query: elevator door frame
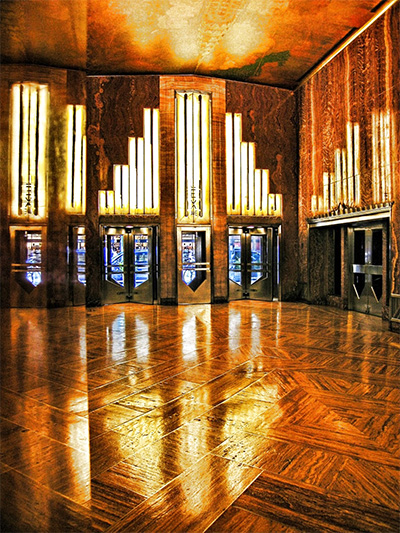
[264, 288]
[202, 293]
[77, 289]
[365, 302]
[146, 292]
[24, 294]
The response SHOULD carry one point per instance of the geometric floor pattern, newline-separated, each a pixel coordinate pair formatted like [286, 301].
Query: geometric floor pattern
[240, 417]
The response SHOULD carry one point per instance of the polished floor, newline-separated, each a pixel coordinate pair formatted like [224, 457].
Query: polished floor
[249, 416]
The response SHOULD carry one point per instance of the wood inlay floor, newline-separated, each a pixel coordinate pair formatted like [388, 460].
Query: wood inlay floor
[249, 416]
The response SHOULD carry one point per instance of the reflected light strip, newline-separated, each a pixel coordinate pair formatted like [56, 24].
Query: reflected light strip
[15, 147]
[229, 161]
[156, 162]
[148, 160]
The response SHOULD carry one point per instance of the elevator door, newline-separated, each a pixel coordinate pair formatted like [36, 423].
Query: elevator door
[251, 263]
[194, 272]
[129, 265]
[366, 252]
[28, 273]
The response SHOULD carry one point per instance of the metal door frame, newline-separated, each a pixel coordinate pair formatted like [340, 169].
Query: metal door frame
[264, 288]
[147, 291]
[367, 302]
[202, 294]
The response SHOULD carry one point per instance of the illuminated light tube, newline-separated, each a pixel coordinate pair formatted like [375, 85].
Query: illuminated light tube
[102, 202]
[15, 147]
[344, 177]
[325, 181]
[388, 162]
[32, 155]
[237, 165]
[189, 152]
[195, 192]
[320, 204]
[338, 177]
[110, 202]
[42, 142]
[357, 191]
[125, 189]
[244, 177]
[350, 166]
[332, 190]
[78, 160]
[148, 162]
[117, 188]
[229, 161]
[156, 160]
[70, 149]
[257, 192]
[24, 176]
[181, 162]
[314, 203]
[205, 157]
[132, 174]
[265, 190]
[140, 175]
[382, 155]
[84, 174]
[251, 177]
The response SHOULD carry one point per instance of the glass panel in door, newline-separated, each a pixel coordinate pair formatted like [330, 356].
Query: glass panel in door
[194, 273]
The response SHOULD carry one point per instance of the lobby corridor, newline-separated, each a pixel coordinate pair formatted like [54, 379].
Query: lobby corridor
[247, 416]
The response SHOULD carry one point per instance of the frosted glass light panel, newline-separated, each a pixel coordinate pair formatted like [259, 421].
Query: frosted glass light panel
[247, 187]
[29, 108]
[193, 155]
[76, 159]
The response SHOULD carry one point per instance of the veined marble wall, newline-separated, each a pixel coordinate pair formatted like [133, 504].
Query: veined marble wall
[359, 86]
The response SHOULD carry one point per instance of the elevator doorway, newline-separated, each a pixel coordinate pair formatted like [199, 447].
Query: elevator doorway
[77, 265]
[366, 275]
[129, 264]
[28, 286]
[194, 272]
[253, 263]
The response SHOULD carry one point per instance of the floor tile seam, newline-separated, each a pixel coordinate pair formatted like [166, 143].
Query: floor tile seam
[49, 381]
[362, 377]
[52, 439]
[352, 503]
[49, 490]
[53, 407]
[390, 463]
[185, 472]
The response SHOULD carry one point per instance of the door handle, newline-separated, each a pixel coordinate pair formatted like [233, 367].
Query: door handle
[374, 293]
[355, 290]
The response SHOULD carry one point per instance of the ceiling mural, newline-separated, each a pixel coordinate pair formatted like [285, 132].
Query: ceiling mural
[266, 41]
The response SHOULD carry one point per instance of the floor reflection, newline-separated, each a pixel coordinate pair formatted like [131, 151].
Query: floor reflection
[154, 418]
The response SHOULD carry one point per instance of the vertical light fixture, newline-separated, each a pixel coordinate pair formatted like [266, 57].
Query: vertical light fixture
[29, 107]
[193, 155]
[76, 159]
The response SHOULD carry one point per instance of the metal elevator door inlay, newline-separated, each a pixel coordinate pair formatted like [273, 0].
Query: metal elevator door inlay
[366, 270]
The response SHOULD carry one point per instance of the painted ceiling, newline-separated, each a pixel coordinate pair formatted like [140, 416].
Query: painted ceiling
[275, 42]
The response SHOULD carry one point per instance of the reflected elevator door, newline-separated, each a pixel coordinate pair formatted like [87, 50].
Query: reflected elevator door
[128, 265]
[194, 273]
[366, 254]
[250, 263]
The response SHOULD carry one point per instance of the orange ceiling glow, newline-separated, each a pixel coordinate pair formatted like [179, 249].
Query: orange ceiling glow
[274, 42]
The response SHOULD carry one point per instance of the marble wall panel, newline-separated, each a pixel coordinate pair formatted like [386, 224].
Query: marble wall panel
[361, 80]
[269, 118]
